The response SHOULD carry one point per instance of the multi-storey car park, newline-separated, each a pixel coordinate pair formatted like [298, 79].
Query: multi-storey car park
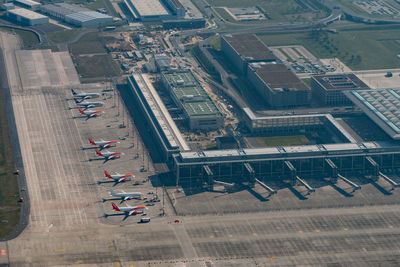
[187, 93]
[328, 89]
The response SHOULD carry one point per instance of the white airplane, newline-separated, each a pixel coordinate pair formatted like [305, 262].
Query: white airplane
[85, 104]
[129, 210]
[109, 155]
[103, 143]
[84, 95]
[119, 177]
[91, 113]
[125, 196]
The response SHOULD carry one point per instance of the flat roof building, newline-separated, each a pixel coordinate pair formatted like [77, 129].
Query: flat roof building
[176, 7]
[328, 89]
[243, 49]
[279, 86]
[76, 15]
[199, 109]
[147, 10]
[29, 4]
[8, 6]
[382, 106]
[27, 17]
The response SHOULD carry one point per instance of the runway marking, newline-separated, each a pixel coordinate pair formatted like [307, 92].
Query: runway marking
[59, 250]
[78, 262]
[116, 264]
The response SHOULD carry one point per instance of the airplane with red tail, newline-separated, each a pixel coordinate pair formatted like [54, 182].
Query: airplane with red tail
[129, 210]
[103, 143]
[118, 178]
[109, 155]
[91, 113]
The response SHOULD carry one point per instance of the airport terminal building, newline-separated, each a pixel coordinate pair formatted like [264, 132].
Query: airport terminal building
[200, 110]
[328, 89]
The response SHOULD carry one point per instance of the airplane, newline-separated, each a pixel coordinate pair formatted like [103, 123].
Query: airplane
[125, 196]
[86, 105]
[84, 95]
[119, 177]
[109, 155]
[91, 113]
[129, 210]
[102, 143]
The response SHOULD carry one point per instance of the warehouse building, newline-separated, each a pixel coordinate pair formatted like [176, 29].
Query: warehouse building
[243, 49]
[187, 93]
[176, 7]
[27, 17]
[382, 106]
[148, 10]
[279, 86]
[76, 15]
[28, 4]
[328, 89]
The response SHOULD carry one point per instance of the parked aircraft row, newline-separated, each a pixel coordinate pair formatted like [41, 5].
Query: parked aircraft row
[84, 108]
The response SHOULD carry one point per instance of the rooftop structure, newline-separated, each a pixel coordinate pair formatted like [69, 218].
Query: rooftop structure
[27, 17]
[191, 97]
[157, 114]
[279, 86]
[329, 88]
[27, 4]
[243, 49]
[382, 106]
[147, 10]
[162, 61]
[250, 47]
[76, 15]
[8, 6]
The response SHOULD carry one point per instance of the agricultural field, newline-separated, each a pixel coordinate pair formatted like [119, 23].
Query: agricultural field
[360, 50]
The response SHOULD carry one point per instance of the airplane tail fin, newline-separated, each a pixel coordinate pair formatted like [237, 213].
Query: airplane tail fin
[73, 92]
[91, 141]
[115, 207]
[81, 111]
[107, 174]
[98, 153]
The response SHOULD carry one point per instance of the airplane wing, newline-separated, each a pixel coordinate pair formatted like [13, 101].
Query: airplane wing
[131, 212]
[126, 198]
[121, 179]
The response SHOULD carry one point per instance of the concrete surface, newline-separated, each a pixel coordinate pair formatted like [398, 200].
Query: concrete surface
[67, 224]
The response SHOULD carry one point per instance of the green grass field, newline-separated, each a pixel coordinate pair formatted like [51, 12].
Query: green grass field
[63, 36]
[28, 38]
[360, 50]
[91, 43]
[96, 66]
[9, 195]
[273, 141]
